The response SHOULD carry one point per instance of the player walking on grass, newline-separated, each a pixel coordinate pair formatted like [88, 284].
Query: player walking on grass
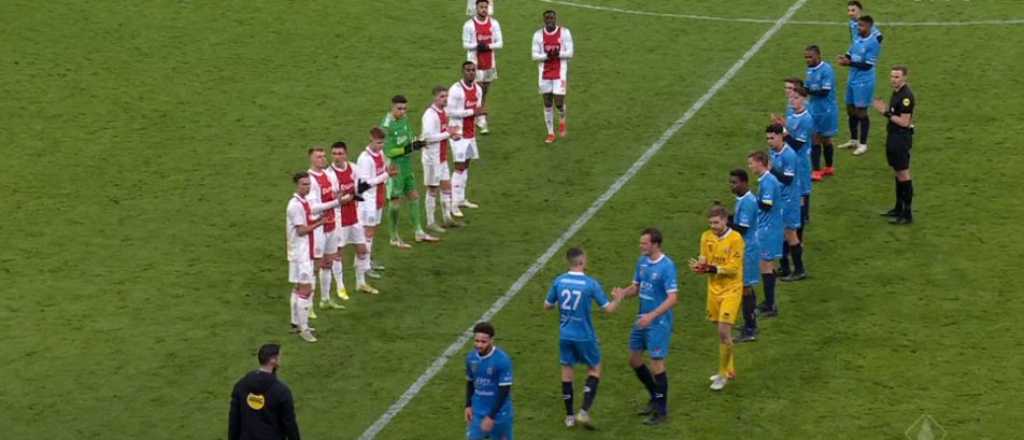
[783, 167]
[744, 221]
[323, 197]
[300, 227]
[721, 259]
[481, 37]
[656, 283]
[464, 106]
[899, 140]
[552, 49]
[821, 83]
[860, 87]
[769, 226]
[572, 293]
[489, 413]
[350, 231]
[400, 144]
[372, 170]
[435, 161]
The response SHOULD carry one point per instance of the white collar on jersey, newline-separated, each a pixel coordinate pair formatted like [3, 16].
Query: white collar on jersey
[335, 166]
[761, 177]
[573, 272]
[744, 195]
[820, 63]
[476, 18]
[656, 261]
[494, 348]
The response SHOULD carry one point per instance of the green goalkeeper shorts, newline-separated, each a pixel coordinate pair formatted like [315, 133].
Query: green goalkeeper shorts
[401, 185]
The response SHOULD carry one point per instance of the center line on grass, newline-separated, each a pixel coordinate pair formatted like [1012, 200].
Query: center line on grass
[541, 261]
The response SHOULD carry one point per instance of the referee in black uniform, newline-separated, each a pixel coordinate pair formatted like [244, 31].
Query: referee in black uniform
[899, 139]
[261, 405]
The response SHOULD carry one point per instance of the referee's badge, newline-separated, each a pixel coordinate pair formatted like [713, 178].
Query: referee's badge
[906, 101]
[256, 401]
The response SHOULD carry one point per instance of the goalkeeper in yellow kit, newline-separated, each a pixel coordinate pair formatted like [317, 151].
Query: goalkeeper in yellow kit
[721, 259]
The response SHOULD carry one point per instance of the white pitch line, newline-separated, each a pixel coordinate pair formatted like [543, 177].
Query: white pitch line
[800, 22]
[541, 261]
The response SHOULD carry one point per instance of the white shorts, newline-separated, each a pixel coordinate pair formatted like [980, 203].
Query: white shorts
[487, 75]
[553, 86]
[434, 174]
[353, 234]
[465, 149]
[300, 272]
[370, 215]
[329, 243]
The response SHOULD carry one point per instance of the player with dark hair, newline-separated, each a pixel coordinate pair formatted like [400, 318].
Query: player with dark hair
[400, 144]
[464, 106]
[553, 47]
[572, 293]
[821, 83]
[301, 223]
[372, 169]
[481, 37]
[861, 58]
[261, 405]
[721, 259]
[854, 10]
[784, 167]
[489, 412]
[770, 231]
[437, 178]
[656, 283]
[899, 140]
[744, 221]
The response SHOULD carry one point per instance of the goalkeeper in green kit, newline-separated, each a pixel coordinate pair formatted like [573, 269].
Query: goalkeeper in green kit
[400, 144]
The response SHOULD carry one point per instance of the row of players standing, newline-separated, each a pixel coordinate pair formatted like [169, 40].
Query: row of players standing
[342, 204]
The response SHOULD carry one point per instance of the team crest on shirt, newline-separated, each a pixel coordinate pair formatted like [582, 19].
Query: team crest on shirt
[906, 101]
[654, 276]
[256, 401]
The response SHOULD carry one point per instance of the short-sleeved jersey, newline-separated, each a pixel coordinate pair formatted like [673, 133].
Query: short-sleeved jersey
[785, 161]
[488, 372]
[819, 78]
[656, 280]
[746, 215]
[864, 50]
[399, 135]
[725, 252]
[801, 127]
[901, 102]
[300, 248]
[769, 192]
[572, 293]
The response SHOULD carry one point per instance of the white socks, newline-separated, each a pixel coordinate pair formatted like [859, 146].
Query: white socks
[458, 187]
[362, 266]
[446, 206]
[325, 285]
[338, 271]
[430, 203]
[292, 309]
[300, 310]
[549, 119]
[481, 121]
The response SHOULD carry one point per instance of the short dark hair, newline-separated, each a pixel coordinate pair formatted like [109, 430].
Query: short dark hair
[268, 351]
[312, 150]
[855, 3]
[550, 11]
[573, 253]
[654, 234]
[814, 48]
[399, 99]
[794, 81]
[800, 90]
[377, 133]
[438, 89]
[717, 210]
[485, 328]
[741, 174]
[760, 156]
[774, 128]
[467, 63]
[866, 19]
[299, 176]
[339, 145]
[902, 68]
[481, 1]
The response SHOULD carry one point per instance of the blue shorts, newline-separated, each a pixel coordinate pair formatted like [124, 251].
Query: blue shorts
[579, 352]
[791, 215]
[502, 428]
[770, 243]
[826, 124]
[751, 267]
[654, 340]
[860, 94]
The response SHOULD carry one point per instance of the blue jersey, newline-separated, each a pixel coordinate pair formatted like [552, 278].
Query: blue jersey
[769, 192]
[746, 215]
[821, 77]
[488, 373]
[801, 128]
[656, 279]
[864, 50]
[855, 31]
[572, 293]
[784, 161]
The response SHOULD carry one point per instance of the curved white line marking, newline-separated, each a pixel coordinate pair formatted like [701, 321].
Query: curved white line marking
[770, 20]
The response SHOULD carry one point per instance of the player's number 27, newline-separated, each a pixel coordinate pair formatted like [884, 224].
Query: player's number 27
[568, 297]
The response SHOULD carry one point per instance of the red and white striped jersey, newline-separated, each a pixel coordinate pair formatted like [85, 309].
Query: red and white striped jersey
[346, 179]
[299, 213]
[487, 31]
[559, 40]
[463, 101]
[325, 187]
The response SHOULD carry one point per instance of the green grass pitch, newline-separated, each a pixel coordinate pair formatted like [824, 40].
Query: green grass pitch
[146, 151]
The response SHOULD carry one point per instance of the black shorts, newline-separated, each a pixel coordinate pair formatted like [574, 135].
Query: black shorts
[897, 150]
